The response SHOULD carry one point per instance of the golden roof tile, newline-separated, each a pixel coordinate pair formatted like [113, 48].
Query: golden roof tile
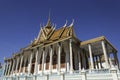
[56, 34]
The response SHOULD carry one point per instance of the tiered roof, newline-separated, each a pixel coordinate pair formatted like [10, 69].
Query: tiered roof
[49, 33]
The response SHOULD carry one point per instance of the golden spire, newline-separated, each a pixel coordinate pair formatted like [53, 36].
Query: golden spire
[48, 25]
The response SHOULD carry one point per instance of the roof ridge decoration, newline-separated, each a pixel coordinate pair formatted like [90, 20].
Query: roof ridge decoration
[51, 33]
[65, 25]
[44, 34]
[71, 29]
[39, 32]
[71, 25]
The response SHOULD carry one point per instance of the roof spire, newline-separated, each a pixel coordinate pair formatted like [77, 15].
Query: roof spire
[49, 15]
[48, 25]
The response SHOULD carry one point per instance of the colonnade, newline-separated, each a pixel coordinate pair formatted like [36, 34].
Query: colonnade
[50, 59]
[25, 64]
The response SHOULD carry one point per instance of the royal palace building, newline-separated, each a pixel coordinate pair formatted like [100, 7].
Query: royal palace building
[60, 51]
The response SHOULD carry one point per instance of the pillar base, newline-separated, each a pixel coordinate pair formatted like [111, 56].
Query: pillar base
[83, 73]
[71, 71]
[113, 71]
[50, 72]
[59, 73]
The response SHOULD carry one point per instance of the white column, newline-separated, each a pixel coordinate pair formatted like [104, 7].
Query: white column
[100, 62]
[9, 67]
[36, 62]
[43, 58]
[91, 57]
[116, 59]
[39, 58]
[13, 66]
[67, 61]
[79, 60]
[6, 68]
[51, 54]
[59, 57]
[21, 61]
[24, 63]
[17, 65]
[110, 61]
[97, 66]
[71, 55]
[30, 62]
[105, 54]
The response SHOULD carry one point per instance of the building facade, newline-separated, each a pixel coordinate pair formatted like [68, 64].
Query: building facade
[60, 51]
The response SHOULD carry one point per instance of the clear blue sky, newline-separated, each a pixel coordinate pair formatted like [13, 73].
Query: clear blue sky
[20, 20]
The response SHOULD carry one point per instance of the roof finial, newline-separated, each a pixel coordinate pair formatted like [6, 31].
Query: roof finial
[72, 23]
[49, 14]
[65, 24]
[48, 23]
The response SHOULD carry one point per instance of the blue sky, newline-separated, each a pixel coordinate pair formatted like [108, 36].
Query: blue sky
[20, 20]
